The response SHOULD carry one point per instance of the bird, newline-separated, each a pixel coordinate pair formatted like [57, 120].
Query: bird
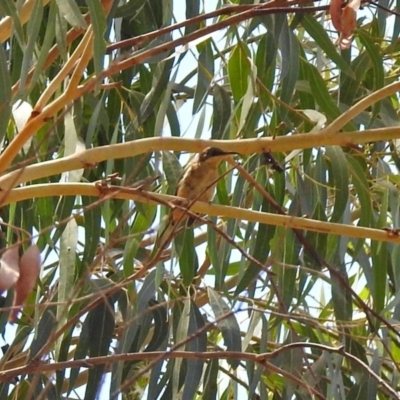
[198, 183]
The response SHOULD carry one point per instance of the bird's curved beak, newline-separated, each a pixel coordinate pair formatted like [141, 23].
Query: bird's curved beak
[229, 153]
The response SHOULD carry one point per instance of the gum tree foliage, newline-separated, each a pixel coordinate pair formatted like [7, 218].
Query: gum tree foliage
[287, 287]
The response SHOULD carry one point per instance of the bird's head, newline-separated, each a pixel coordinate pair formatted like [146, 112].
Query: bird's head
[214, 154]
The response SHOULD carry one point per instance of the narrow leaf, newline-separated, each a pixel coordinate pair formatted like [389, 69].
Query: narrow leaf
[227, 323]
[205, 75]
[98, 20]
[238, 71]
[71, 12]
[222, 109]
[101, 328]
[33, 28]
[340, 175]
[322, 95]
[197, 344]
[5, 93]
[321, 37]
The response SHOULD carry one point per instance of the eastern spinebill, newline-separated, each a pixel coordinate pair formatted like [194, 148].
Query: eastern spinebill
[197, 184]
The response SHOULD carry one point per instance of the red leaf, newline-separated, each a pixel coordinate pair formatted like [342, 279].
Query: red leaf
[335, 9]
[344, 21]
[9, 268]
[29, 267]
[349, 21]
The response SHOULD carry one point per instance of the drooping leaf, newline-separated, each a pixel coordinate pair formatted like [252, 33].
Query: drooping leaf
[227, 323]
[70, 11]
[101, 324]
[205, 75]
[238, 70]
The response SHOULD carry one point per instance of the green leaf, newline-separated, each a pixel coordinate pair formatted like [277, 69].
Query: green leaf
[70, 11]
[290, 58]
[210, 385]
[188, 261]
[359, 180]
[341, 297]
[173, 170]
[130, 339]
[222, 110]
[317, 241]
[205, 75]
[380, 260]
[322, 95]
[141, 225]
[46, 45]
[68, 245]
[287, 276]
[396, 25]
[32, 33]
[238, 71]
[131, 8]
[226, 322]
[197, 344]
[164, 104]
[340, 179]
[5, 94]
[192, 10]
[260, 252]
[350, 87]
[92, 230]
[98, 20]
[324, 41]
[44, 330]
[160, 81]
[8, 7]
[81, 352]
[173, 121]
[101, 325]
[180, 336]
[160, 332]
[377, 65]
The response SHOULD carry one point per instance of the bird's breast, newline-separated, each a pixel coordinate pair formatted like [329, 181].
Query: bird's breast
[198, 182]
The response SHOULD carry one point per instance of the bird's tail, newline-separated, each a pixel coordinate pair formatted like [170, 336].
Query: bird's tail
[165, 237]
[167, 234]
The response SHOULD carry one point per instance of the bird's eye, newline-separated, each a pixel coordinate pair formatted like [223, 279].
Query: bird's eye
[213, 152]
